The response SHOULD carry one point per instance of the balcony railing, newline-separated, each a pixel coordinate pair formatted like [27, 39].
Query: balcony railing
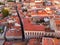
[38, 34]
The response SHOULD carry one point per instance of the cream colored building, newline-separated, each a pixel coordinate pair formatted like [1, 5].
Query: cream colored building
[17, 0]
[2, 0]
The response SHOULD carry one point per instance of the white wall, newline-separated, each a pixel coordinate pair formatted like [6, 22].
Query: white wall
[1, 0]
[17, 0]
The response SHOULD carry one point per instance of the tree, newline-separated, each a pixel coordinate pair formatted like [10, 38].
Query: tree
[5, 13]
[1, 3]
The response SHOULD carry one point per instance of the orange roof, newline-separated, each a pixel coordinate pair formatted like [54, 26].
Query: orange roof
[57, 21]
[34, 42]
[42, 12]
[1, 15]
[15, 43]
[28, 26]
[57, 16]
[32, 0]
[14, 33]
[51, 41]
[48, 41]
[33, 13]
[8, 43]
[10, 3]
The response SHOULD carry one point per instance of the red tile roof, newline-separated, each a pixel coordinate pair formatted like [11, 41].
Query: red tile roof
[51, 41]
[57, 22]
[8, 43]
[34, 42]
[15, 43]
[17, 30]
[1, 15]
[28, 26]
[48, 41]
[13, 33]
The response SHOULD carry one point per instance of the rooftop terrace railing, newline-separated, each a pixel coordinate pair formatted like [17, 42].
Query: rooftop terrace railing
[39, 34]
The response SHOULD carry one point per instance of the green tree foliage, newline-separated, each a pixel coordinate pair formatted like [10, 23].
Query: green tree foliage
[0, 30]
[1, 3]
[5, 13]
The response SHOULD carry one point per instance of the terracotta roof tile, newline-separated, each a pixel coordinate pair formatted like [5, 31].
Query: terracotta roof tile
[34, 42]
[14, 33]
[15, 43]
[51, 41]
[32, 27]
[1, 15]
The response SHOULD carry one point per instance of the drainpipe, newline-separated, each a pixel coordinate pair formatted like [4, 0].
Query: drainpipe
[21, 23]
